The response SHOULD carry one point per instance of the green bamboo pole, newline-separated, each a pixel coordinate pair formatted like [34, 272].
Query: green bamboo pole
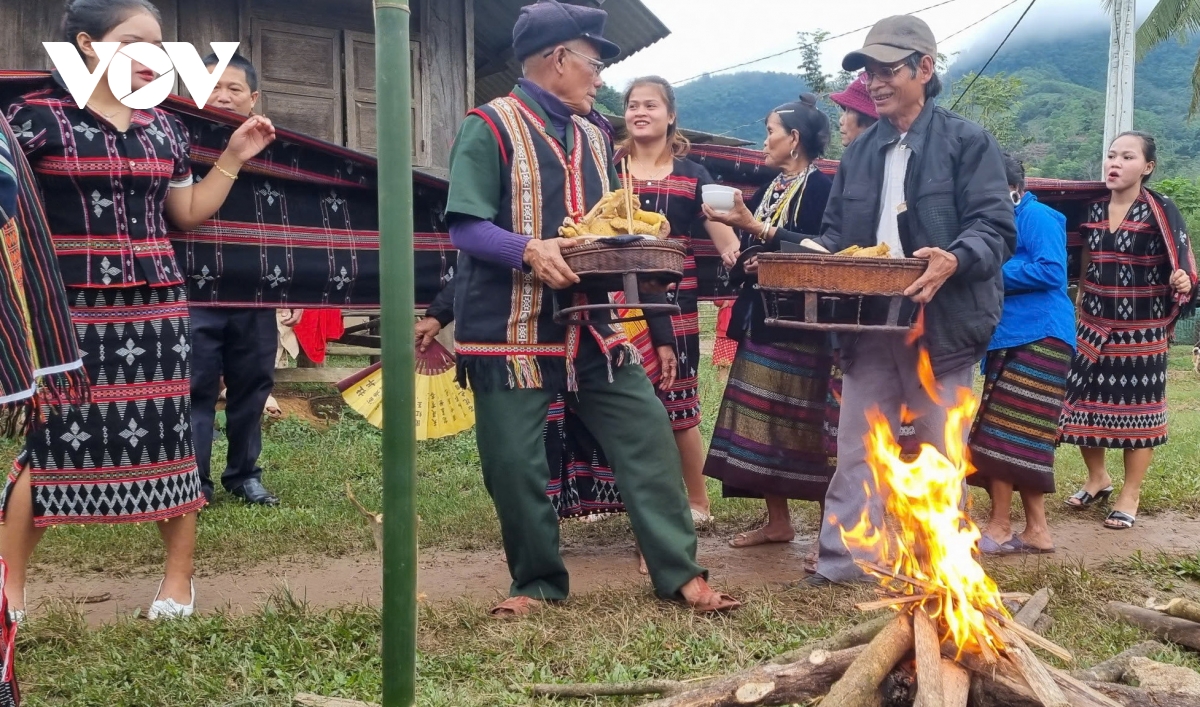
[393, 93]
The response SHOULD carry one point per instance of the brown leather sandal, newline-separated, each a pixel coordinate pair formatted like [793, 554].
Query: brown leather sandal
[515, 607]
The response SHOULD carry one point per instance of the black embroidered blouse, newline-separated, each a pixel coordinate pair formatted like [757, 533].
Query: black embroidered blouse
[104, 189]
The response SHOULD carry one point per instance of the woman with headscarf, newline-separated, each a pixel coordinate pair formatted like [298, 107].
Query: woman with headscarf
[770, 440]
[858, 110]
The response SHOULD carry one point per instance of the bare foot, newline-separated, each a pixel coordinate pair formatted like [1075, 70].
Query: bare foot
[642, 568]
[514, 607]
[762, 536]
[704, 600]
[1001, 534]
[1038, 540]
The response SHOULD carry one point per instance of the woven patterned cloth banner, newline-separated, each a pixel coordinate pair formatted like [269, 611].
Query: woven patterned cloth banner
[301, 226]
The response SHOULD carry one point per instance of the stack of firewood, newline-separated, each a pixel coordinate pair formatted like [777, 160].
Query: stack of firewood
[899, 660]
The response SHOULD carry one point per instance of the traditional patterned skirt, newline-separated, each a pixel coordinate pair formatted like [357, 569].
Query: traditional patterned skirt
[125, 457]
[1117, 390]
[770, 432]
[724, 348]
[581, 481]
[682, 399]
[1016, 429]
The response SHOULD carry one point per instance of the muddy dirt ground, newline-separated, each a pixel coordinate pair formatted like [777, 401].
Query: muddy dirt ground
[446, 576]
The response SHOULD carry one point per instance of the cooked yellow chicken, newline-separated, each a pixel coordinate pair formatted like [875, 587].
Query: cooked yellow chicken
[609, 217]
[877, 251]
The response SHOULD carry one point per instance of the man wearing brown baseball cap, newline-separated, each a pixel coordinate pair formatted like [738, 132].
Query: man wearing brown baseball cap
[931, 185]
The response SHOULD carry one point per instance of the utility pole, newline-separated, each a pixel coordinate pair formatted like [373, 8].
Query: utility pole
[1118, 110]
[393, 91]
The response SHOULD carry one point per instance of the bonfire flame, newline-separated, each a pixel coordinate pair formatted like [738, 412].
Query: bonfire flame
[927, 535]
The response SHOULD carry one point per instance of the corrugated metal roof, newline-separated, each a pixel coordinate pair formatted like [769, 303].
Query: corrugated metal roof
[630, 24]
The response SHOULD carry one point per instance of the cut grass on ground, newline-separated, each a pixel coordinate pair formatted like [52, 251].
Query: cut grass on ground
[469, 660]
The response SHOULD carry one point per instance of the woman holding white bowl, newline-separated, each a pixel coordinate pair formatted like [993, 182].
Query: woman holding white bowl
[770, 439]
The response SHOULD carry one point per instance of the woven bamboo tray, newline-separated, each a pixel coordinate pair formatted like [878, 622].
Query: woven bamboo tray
[800, 291]
[611, 267]
[838, 274]
[605, 261]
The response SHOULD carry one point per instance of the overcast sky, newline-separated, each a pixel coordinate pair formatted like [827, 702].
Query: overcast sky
[708, 35]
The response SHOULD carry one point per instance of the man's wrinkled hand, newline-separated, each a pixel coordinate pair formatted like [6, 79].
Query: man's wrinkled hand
[546, 261]
[291, 317]
[942, 266]
[427, 330]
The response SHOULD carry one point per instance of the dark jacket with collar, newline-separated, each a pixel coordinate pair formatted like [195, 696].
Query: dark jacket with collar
[958, 200]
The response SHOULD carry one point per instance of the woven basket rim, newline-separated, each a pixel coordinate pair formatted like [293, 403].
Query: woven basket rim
[815, 258]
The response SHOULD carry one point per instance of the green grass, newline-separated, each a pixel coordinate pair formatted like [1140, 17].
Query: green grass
[469, 660]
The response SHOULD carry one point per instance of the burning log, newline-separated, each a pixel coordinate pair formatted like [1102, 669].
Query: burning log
[1036, 674]
[956, 684]
[795, 682]
[929, 661]
[1044, 643]
[1032, 611]
[859, 635]
[1169, 628]
[860, 685]
[1114, 668]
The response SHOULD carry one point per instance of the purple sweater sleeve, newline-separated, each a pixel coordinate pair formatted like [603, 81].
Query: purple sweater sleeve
[487, 241]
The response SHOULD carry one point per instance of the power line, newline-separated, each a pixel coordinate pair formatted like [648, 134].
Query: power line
[950, 36]
[993, 56]
[797, 48]
[985, 18]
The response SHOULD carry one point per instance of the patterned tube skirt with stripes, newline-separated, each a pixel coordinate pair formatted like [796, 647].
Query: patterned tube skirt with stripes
[127, 456]
[1016, 429]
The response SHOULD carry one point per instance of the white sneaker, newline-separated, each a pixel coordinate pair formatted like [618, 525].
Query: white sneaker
[17, 616]
[168, 609]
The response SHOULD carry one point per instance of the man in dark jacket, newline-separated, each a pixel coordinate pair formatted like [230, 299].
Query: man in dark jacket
[931, 185]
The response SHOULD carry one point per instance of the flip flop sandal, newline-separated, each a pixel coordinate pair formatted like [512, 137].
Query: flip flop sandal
[1017, 546]
[989, 546]
[700, 519]
[515, 607]
[1123, 521]
[272, 408]
[753, 538]
[716, 603]
[1086, 499]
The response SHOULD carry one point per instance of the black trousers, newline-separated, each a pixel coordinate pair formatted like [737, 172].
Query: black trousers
[239, 342]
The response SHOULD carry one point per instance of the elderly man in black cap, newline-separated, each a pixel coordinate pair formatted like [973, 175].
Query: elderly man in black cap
[520, 165]
[931, 185]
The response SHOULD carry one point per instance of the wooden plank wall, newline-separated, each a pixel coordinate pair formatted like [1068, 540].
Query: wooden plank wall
[25, 24]
[443, 38]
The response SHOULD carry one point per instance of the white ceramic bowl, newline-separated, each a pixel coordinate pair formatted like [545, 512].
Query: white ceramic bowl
[718, 197]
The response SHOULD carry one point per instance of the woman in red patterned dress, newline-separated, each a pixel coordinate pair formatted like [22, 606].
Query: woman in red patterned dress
[670, 184]
[111, 177]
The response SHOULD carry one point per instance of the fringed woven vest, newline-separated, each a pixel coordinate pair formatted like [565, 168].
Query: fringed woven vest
[505, 334]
